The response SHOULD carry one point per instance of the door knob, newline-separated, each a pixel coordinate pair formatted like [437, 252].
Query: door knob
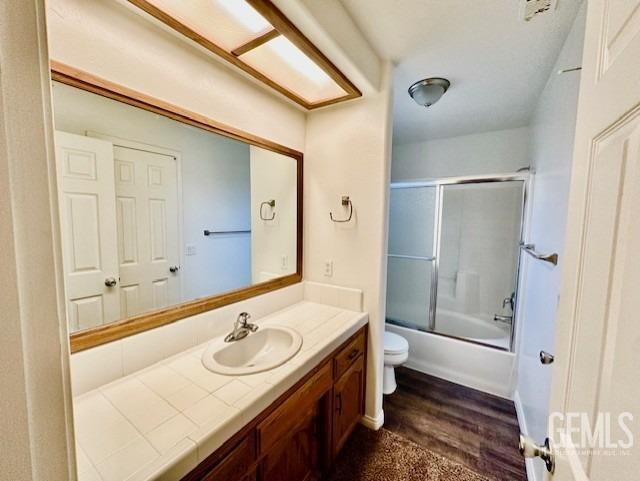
[529, 449]
[110, 282]
[546, 358]
[174, 269]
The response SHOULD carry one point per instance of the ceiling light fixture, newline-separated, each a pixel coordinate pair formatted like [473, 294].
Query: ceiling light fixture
[428, 91]
[246, 15]
[296, 58]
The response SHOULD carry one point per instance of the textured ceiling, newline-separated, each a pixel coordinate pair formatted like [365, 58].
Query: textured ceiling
[497, 63]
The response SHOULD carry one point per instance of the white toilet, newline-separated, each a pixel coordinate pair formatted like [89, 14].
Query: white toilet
[396, 352]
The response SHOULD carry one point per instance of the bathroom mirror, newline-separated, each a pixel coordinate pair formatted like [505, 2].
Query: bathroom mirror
[161, 219]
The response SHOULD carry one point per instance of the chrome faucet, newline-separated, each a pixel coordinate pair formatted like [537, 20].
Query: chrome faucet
[241, 328]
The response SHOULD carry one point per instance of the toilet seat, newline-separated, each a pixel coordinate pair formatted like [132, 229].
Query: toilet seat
[395, 344]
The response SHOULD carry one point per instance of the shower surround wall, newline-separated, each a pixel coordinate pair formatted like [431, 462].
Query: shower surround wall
[476, 154]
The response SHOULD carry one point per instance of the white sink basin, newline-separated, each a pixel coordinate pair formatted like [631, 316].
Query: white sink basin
[265, 349]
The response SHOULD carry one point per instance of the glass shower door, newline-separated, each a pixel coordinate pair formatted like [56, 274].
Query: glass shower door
[478, 261]
[410, 265]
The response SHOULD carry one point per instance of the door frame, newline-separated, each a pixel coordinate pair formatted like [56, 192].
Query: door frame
[155, 149]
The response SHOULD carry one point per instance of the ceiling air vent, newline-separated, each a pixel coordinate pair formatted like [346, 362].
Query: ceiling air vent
[533, 8]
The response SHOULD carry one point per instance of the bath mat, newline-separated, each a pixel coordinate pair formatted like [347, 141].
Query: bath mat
[385, 456]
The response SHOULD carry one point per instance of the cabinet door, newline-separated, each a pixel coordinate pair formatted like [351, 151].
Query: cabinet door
[348, 403]
[295, 458]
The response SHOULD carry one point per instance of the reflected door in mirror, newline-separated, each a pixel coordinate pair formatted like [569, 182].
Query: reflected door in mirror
[148, 230]
[87, 215]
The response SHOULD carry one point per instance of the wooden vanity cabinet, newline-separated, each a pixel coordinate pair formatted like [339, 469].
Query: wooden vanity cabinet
[299, 435]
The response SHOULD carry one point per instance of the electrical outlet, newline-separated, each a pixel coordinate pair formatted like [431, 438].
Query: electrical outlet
[284, 263]
[328, 268]
[190, 250]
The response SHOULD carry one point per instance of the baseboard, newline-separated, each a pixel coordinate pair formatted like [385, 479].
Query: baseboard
[374, 423]
[522, 422]
[457, 378]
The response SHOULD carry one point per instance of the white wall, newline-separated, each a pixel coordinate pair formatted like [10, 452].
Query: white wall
[35, 404]
[215, 183]
[348, 153]
[552, 128]
[273, 242]
[494, 152]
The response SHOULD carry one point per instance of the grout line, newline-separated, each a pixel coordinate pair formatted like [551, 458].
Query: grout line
[80, 448]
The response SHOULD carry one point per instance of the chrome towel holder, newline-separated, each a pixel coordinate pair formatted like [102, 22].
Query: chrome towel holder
[346, 202]
[269, 203]
[531, 250]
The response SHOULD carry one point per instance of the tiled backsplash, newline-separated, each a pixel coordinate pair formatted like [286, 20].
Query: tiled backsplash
[103, 364]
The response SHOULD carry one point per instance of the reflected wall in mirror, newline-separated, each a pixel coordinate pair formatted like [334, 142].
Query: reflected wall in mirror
[156, 212]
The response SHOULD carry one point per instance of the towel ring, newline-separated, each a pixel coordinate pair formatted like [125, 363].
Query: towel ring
[271, 203]
[346, 201]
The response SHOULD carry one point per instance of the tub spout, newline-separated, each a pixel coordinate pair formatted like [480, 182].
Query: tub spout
[505, 319]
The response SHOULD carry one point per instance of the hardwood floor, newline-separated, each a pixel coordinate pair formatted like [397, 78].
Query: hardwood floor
[470, 427]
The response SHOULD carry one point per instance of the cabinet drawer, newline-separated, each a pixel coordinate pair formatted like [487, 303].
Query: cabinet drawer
[281, 421]
[348, 355]
[236, 464]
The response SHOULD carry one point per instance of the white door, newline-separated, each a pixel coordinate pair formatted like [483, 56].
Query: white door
[87, 217]
[597, 370]
[148, 230]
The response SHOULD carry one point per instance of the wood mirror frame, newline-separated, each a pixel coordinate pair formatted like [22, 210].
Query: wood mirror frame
[113, 331]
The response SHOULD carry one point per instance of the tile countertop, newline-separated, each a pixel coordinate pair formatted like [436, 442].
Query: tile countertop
[159, 423]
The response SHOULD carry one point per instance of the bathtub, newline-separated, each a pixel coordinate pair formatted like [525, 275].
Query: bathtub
[477, 366]
[464, 326]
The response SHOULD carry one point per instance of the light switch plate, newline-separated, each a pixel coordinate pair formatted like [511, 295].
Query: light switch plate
[190, 250]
